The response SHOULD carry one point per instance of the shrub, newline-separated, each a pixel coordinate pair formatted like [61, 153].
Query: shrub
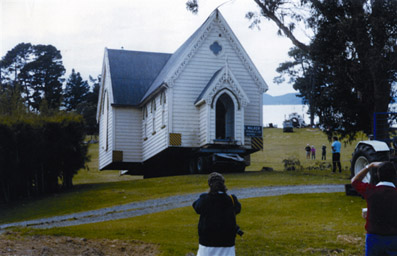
[292, 164]
[321, 166]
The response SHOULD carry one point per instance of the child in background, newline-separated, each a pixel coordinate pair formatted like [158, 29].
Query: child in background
[313, 152]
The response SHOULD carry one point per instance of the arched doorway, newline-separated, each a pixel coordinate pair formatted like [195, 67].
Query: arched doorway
[224, 118]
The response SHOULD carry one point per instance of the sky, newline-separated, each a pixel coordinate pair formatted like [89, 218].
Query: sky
[81, 29]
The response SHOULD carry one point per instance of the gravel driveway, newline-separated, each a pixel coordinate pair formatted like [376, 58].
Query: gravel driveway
[163, 204]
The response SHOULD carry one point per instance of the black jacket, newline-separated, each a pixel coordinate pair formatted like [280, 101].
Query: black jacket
[217, 224]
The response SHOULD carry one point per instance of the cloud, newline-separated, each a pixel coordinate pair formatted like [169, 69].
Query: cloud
[81, 29]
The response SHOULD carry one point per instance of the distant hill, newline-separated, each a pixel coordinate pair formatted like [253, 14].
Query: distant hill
[286, 99]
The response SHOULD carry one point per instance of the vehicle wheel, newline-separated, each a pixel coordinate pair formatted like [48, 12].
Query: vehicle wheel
[240, 168]
[192, 166]
[363, 155]
[203, 164]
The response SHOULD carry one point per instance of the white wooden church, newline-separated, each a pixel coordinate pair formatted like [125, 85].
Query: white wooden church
[183, 107]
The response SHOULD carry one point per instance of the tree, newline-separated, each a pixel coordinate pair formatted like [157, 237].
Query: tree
[44, 74]
[11, 102]
[353, 63]
[12, 64]
[88, 109]
[352, 57]
[76, 91]
[38, 69]
[302, 74]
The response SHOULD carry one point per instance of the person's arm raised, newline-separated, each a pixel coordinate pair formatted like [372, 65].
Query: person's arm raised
[361, 175]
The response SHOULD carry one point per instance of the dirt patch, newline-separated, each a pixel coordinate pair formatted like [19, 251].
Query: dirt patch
[351, 240]
[14, 244]
[328, 252]
[346, 239]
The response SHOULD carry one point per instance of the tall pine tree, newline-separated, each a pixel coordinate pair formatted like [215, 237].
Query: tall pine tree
[38, 70]
[76, 91]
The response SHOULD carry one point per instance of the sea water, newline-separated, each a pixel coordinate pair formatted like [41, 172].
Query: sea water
[276, 114]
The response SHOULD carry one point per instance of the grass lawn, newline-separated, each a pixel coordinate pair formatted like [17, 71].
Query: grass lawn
[94, 196]
[278, 145]
[90, 174]
[313, 224]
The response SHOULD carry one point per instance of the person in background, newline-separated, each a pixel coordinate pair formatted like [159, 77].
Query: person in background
[381, 220]
[217, 226]
[324, 152]
[313, 150]
[336, 154]
[307, 149]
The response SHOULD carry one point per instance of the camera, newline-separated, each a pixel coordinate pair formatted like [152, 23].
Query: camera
[239, 231]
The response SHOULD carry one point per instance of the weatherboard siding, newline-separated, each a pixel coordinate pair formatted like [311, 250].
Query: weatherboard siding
[128, 124]
[106, 130]
[203, 124]
[156, 138]
[194, 78]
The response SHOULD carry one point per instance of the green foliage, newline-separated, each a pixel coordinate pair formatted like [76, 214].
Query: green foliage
[36, 151]
[88, 108]
[359, 81]
[31, 80]
[321, 166]
[38, 70]
[347, 71]
[76, 91]
[78, 98]
[11, 102]
[292, 164]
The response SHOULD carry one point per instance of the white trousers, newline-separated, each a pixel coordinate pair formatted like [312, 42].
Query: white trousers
[216, 251]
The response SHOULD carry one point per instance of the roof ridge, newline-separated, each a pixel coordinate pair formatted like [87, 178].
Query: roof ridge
[136, 51]
[178, 54]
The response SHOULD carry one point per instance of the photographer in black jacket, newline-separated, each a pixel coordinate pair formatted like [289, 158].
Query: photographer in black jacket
[217, 226]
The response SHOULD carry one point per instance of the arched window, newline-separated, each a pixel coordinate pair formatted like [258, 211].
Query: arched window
[224, 118]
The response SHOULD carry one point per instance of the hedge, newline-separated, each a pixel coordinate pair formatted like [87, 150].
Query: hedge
[39, 155]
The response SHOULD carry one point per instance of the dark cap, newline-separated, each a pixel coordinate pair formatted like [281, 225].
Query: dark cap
[215, 177]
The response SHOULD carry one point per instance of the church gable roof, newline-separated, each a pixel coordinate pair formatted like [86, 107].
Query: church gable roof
[137, 75]
[177, 57]
[132, 73]
[182, 56]
[223, 79]
[209, 84]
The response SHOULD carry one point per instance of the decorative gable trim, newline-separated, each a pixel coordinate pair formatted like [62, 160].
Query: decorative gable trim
[104, 76]
[224, 80]
[195, 45]
[247, 62]
[198, 41]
